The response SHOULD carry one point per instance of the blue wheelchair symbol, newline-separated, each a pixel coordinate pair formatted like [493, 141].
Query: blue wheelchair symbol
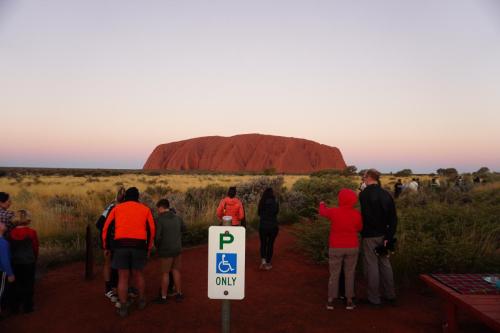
[226, 263]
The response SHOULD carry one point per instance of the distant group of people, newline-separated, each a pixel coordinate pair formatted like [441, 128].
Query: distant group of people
[18, 255]
[376, 223]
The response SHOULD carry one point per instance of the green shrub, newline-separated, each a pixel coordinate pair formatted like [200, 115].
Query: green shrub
[404, 173]
[306, 193]
[196, 233]
[312, 238]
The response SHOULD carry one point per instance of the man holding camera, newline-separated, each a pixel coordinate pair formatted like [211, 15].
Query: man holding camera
[379, 226]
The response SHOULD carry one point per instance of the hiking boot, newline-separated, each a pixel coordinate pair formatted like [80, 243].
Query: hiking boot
[141, 304]
[122, 310]
[160, 300]
[179, 298]
[329, 305]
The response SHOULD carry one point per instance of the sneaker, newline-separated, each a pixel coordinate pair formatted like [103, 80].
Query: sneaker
[141, 304]
[268, 267]
[110, 294]
[329, 305]
[160, 300]
[350, 306]
[122, 310]
[262, 266]
[179, 297]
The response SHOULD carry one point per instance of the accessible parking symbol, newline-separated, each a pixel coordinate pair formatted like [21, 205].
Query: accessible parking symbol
[226, 263]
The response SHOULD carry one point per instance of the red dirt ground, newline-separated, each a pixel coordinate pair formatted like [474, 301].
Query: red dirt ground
[289, 298]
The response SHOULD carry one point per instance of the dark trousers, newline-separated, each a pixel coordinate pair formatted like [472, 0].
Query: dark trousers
[3, 288]
[23, 288]
[267, 237]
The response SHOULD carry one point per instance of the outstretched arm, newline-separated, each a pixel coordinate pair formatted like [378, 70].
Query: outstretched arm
[324, 210]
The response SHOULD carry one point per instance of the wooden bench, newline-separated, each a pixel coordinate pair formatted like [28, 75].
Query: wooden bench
[485, 308]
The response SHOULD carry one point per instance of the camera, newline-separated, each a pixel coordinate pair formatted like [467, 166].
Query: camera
[390, 248]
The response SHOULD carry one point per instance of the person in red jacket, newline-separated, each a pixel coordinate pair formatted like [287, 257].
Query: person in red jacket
[132, 242]
[24, 254]
[343, 244]
[231, 206]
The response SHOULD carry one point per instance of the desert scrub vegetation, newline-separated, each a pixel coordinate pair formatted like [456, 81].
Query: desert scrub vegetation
[449, 229]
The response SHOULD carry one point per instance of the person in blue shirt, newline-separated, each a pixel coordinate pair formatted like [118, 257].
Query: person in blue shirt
[6, 272]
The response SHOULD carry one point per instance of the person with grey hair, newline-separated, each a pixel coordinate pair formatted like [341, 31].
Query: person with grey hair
[379, 226]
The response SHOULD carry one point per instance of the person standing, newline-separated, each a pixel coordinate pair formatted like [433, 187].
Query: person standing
[379, 226]
[24, 250]
[110, 274]
[268, 228]
[413, 185]
[343, 244]
[168, 241]
[398, 188]
[6, 271]
[132, 242]
[231, 206]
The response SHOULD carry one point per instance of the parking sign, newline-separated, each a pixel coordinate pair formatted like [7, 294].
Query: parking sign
[226, 262]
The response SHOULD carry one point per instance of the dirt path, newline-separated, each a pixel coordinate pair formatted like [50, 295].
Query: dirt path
[290, 298]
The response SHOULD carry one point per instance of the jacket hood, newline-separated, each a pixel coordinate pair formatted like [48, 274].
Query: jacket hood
[347, 198]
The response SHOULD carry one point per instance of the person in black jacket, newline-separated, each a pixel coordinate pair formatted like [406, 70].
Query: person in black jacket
[110, 274]
[379, 226]
[268, 229]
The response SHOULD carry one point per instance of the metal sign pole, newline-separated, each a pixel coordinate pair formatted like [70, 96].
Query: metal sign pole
[226, 304]
[226, 316]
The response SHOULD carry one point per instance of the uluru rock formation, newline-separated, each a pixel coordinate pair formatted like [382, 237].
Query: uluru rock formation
[247, 152]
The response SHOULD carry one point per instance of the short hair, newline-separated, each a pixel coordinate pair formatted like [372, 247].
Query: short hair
[4, 197]
[163, 203]
[132, 194]
[231, 192]
[373, 174]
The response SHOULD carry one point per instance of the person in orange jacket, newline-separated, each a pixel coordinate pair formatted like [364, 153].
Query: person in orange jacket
[133, 239]
[231, 206]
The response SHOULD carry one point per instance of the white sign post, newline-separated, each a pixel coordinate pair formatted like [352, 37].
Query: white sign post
[226, 262]
[226, 268]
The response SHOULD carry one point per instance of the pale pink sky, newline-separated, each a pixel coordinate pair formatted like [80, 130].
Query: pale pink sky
[393, 84]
